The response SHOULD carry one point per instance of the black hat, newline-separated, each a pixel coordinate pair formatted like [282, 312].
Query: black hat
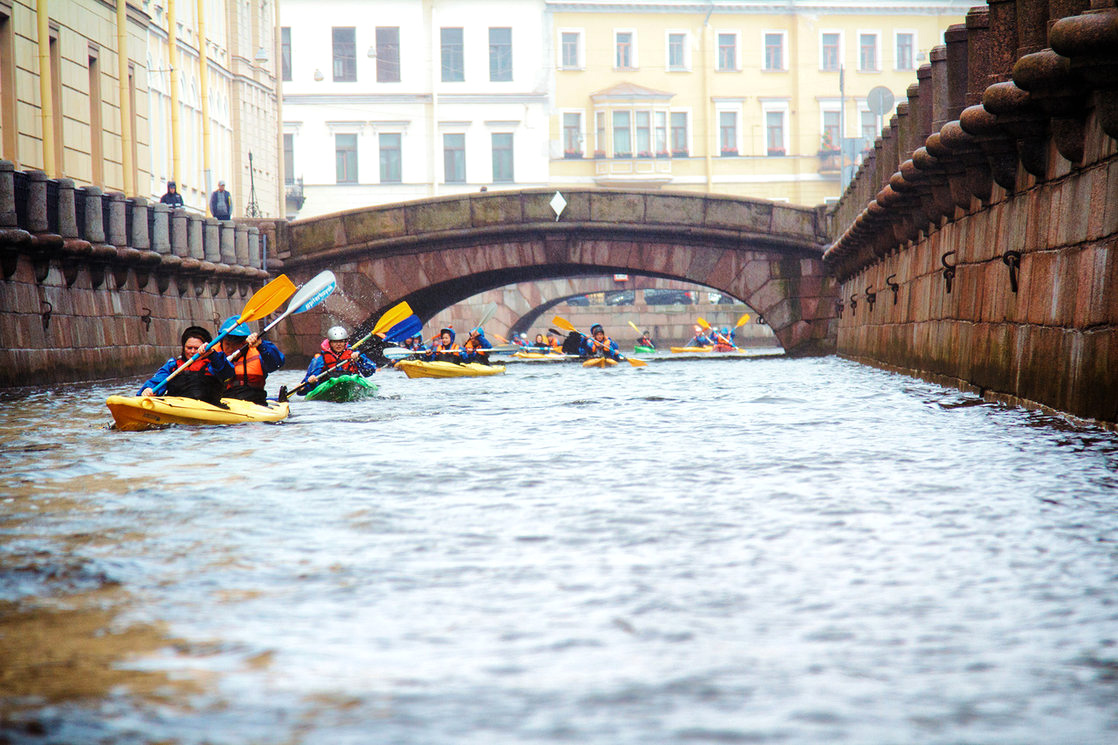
[196, 332]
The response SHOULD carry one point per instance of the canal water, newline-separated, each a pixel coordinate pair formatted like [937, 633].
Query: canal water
[704, 551]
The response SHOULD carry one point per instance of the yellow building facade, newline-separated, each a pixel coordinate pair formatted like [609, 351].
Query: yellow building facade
[193, 93]
[751, 99]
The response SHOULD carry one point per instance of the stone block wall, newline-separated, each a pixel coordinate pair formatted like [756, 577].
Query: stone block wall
[978, 245]
[96, 285]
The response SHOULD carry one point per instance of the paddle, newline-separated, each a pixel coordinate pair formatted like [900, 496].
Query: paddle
[720, 337]
[263, 301]
[563, 323]
[396, 323]
[308, 296]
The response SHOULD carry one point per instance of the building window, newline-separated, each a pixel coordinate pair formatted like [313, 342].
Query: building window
[345, 54]
[502, 158]
[572, 135]
[622, 135]
[677, 45]
[679, 134]
[600, 135]
[906, 51]
[727, 52]
[388, 54]
[829, 52]
[774, 133]
[454, 158]
[569, 43]
[453, 55]
[868, 128]
[624, 44]
[774, 51]
[289, 158]
[867, 53]
[831, 138]
[728, 133]
[661, 134]
[500, 54]
[391, 170]
[285, 53]
[644, 134]
[345, 158]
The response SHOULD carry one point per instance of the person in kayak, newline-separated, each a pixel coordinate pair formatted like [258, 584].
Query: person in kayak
[251, 367]
[541, 345]
[473, 349]
[598, 344]
[723, 340]
[414, 343]
[336, 357]
[204, 379]
[646, 340]
[700, 339]
[443, 348]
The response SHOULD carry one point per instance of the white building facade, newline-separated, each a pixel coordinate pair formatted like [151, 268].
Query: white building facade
[406, 99]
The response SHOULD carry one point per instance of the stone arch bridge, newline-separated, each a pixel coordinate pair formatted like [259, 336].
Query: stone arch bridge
[434, 253]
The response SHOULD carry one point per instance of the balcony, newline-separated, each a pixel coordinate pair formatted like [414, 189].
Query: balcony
[628, 169]
[293, 193]
[830, 161]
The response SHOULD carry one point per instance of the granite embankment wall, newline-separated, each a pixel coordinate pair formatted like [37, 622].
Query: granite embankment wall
[96, 285]
[978, 244]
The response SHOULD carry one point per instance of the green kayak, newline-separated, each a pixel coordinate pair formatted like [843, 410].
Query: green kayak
[343, 388]
[638, 349]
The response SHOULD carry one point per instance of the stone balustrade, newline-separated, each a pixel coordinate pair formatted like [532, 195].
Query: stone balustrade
[1024, 92]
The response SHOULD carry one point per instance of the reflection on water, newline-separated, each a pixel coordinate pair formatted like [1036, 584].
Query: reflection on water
[770, 550]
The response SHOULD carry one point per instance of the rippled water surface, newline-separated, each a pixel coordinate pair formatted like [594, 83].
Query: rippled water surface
[706, 551]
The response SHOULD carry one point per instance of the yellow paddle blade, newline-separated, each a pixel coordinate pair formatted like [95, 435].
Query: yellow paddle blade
[743, 320]
[268, 298]
[635, 363]
[392, 316]
[635, 327]
[703, 322]
[563, 323]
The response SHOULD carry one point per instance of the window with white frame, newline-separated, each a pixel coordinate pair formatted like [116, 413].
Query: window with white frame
[774, 51]
[454, 158]
[391, 160]
[905, 45]
[452, 55]
[867, 125]
[830, 127]
[572, 134]
[500, 54]
[660, 133]
[622, 134]
[388, 54]
[344, 40]
[830, 51]
[600, 134]
[502, 157]
[727, 52]
[570, 50]
[679, 53]
[774, 116]
[680, 147]
[288, 158]
[345, 158]
[868, 59]
[728, 133]
[625, 49]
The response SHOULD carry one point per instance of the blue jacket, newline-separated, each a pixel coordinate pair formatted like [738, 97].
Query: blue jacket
[216, 365]
[591, 348]
[318, 365]
[473, 355]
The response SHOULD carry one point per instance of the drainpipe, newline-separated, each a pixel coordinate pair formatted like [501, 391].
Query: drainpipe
[46, 109]
[707, 160]
[433, 164]
[125, 100]
[204, 78]
[173, 59]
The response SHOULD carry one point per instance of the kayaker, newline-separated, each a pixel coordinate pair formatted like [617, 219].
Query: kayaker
[541, 345]
[598, 344]
[700, 339]
[474, 346]
[414, 343]
[206, 377]
[251, 367]
[723, 340]
[646, 340]
[336, 358]
[443, 348]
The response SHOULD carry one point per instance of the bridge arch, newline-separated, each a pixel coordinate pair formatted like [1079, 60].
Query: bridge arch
[434, 253]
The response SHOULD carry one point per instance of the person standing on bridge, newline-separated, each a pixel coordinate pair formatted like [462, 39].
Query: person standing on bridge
[172, 198]
[221, 202]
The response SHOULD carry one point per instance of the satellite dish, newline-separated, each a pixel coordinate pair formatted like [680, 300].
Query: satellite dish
[880, 100]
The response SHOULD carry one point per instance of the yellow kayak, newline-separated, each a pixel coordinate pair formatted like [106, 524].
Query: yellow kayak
[692, 350]
[135, 413]
[599, 362]
[557, 357]
[424, 369]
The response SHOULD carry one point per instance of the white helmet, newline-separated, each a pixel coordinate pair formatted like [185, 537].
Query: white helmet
[337, 333]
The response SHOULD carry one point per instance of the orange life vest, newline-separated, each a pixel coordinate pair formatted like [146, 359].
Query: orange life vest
[248, 369]
[330, 358]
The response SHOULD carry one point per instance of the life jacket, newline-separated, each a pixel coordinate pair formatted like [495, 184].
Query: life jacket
[201, 365]
[347, 358]
[439, 353]
[248, 370]
[196, 380]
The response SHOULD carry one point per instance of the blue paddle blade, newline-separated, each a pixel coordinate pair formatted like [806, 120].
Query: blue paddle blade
[329, 283]
[410, 326]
